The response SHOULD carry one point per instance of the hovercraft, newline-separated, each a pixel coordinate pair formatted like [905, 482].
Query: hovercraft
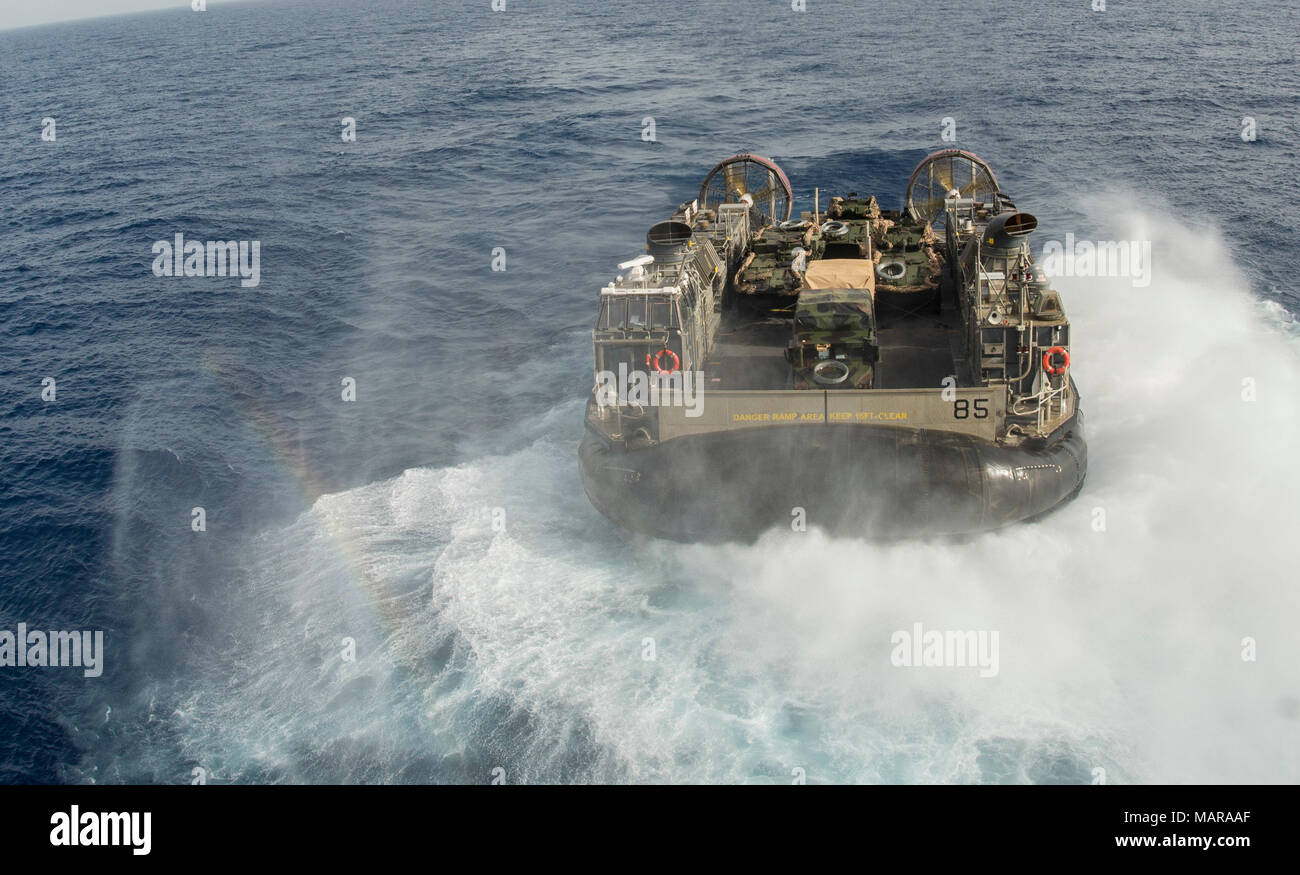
[870, 372]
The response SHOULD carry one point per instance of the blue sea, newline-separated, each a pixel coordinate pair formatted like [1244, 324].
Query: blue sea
[412, 587]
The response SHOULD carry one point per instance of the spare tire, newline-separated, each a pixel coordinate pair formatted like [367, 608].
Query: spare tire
[830, 372]
[892, 270]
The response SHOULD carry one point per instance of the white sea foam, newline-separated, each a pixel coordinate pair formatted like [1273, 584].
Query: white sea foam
[524, 648]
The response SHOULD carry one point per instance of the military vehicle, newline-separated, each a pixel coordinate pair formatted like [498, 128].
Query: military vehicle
[835, 341]
[870, 372]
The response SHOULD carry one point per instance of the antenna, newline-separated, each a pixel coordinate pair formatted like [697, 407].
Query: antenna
[639, 261]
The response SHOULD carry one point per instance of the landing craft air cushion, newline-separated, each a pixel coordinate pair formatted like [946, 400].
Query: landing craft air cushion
[869, 372]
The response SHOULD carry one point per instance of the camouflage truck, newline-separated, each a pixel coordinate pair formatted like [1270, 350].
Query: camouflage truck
[834, 344]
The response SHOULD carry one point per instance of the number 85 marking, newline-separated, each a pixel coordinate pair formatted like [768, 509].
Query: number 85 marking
[962, 407]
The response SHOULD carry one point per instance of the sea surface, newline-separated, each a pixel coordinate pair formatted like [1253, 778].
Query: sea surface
[352, 614]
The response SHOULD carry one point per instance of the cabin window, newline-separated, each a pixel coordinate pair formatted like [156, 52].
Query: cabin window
[632, 358]
[661, 314]
[636, 313]
[613, 313]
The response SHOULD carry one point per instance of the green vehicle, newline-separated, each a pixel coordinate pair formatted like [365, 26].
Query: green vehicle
[834, 345]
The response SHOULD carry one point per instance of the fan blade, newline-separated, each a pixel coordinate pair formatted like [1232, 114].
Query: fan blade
[735, 175]
[944, 178]
[974, 185]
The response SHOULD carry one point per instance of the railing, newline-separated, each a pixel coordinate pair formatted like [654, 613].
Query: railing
[1053, 405]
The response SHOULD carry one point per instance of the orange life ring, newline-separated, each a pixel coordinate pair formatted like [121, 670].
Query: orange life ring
[654, 362]
[1047, 361]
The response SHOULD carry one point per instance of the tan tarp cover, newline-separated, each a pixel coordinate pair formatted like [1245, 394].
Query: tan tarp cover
[841, 273]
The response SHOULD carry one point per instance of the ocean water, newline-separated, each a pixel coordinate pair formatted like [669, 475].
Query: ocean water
[519, 654]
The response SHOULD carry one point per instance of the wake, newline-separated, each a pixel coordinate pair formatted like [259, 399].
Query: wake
[501, 624]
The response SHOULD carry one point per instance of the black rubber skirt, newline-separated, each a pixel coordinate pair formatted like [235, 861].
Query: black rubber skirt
[851, 480]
